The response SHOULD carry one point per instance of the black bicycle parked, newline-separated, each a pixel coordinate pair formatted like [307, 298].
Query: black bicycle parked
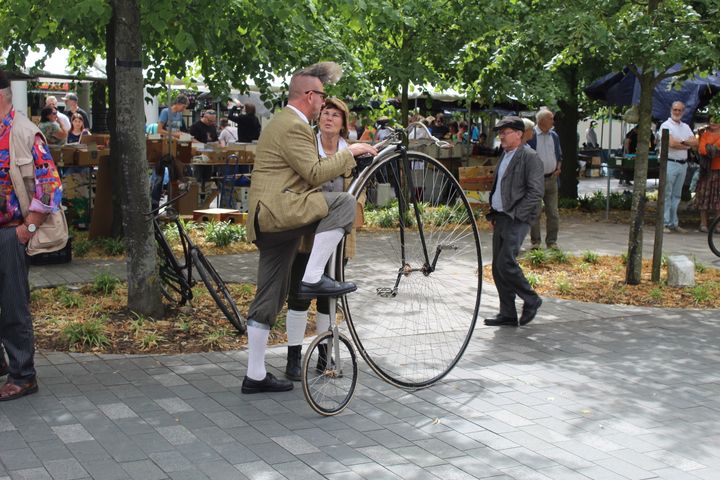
[176, 271]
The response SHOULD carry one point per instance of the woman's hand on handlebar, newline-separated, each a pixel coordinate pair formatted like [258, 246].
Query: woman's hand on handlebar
[359, 149]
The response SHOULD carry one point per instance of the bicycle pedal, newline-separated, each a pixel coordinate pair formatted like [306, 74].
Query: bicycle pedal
[386, 292]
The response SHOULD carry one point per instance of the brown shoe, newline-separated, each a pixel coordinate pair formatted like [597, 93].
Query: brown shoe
[10, 391]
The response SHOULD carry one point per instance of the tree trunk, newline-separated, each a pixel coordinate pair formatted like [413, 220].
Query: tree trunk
[633, 272]
[566, 122]
[128, 149]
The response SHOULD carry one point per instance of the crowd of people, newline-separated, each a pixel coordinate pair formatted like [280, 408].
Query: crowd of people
[299, 208]
[207, 129]
[60, 128]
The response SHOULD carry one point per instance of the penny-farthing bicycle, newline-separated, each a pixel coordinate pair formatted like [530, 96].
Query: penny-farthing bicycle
[418, 294]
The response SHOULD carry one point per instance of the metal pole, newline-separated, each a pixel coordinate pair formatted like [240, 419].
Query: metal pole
[660, 213]
[610, 157]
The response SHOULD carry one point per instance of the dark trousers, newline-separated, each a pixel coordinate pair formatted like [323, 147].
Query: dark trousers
[296, 274]
[16, 330]
[508, 235]
[278, 251]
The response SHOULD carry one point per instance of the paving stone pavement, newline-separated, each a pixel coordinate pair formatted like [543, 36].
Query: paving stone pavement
[584, 392]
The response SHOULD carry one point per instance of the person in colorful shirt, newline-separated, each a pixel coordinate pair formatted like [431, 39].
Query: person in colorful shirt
[16, 331]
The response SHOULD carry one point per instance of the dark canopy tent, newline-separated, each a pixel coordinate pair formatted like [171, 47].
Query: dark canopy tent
[623, 89]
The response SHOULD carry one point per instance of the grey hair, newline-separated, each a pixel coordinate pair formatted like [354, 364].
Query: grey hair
[528, 123]
[326, 72]
[542, 113]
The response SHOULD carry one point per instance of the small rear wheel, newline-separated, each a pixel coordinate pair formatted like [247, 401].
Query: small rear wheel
[218, 290]
[329, 373]
[714, 236]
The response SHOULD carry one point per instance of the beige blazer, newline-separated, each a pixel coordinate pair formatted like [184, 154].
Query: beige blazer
[286, 179]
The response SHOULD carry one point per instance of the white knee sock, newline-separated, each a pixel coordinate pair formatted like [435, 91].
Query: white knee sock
[324, 245]
[322, 323]
[257, 343]
[295, 324]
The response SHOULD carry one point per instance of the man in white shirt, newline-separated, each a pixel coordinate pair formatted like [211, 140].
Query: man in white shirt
[682, 139]
[546, 142]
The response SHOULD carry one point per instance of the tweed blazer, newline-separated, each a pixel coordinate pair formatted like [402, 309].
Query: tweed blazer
[523, 185]
[285, 189]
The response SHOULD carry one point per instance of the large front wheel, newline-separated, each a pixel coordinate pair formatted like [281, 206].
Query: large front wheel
[329, 373]
[418, 269]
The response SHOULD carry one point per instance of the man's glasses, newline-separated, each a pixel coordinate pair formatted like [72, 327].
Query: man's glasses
[323, 95]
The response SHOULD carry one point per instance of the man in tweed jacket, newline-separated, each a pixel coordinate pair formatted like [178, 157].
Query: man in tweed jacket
[286, 202]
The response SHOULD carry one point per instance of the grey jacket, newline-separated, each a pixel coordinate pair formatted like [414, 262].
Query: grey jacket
[523, 185]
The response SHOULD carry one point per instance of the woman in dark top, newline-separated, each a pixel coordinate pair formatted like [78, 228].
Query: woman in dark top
[248, 125]
[77, 129]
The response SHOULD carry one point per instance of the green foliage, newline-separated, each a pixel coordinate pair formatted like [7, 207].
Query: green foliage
[569, 203]
[624, 258]
[81, 246]
[214, 339]
[68, 299]
[598, 201]
[86, 333]
[563, 285]
[558, 256]
[656, 294]
[590, 257]
[533, 279]
[537, 256]
[113, 246]
[105, 283]
[224, 233]
[150, 340]
[184, 326]
[699, 266]
[701, 293]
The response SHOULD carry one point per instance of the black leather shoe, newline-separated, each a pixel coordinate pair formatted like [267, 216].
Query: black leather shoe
[4, 369]
[501, 320]
[529, 312]
[326, 287]
[268, 384]
[292, 369]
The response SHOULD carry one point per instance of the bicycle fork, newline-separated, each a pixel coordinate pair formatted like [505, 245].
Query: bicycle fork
[333, 363]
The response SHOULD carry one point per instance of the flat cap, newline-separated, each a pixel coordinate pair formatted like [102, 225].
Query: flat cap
[70, 96]
[510, 121]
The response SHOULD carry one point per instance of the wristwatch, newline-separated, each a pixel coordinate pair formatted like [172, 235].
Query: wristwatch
[31, 227]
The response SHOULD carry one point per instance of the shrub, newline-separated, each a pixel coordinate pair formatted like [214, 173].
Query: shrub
[533, 279]
[558, 256]
[590, 257]
[105, 283]
[88, 333]
[566, 202]
[150, 340]
[81, 247]
[536, 256]
[700, 293]
[699, 267]
[67, 298]
[112, 246]
[563, 285]
[223, 234]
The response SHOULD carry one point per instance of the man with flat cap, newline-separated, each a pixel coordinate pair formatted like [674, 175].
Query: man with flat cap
[517, 189]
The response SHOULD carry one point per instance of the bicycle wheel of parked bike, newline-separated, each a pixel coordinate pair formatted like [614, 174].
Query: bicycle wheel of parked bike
[329, 386]
[418, 269]
[714, 236]
[219, 291]
[173, 284]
